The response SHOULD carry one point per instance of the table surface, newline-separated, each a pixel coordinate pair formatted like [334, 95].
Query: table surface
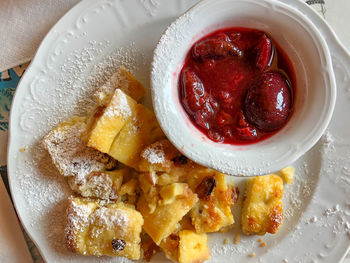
[334, 12]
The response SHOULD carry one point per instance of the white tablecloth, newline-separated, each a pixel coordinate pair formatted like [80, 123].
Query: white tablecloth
[23, 24]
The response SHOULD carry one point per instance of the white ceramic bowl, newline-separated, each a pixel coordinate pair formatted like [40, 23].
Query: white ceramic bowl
[315, 84]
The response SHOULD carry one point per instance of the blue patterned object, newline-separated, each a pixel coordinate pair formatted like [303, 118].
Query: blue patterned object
[8, 82]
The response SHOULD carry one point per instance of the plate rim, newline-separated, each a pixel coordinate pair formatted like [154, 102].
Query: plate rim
[11, 173]
[30, 67]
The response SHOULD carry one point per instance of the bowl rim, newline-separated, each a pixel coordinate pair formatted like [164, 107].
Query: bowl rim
[239, 170]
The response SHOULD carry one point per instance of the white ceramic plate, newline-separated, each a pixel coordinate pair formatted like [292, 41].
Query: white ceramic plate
[68, 65]
[311, 60]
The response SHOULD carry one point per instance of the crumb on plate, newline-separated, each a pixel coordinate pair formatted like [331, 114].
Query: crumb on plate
[23, 149]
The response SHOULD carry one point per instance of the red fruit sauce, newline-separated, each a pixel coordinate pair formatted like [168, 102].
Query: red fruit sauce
[236, 86]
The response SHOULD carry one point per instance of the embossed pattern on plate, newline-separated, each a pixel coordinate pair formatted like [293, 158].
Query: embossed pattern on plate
[316, 210]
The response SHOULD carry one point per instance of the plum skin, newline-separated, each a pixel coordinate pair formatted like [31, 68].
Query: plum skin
[268, 102]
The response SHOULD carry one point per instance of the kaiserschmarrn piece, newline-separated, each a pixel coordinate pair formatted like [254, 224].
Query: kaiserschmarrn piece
[150, 190]
[167, 166]
[213, 211]
[193, 247]
[186, 246]
[103, 185]
[262, 207]
[164, 159]
[170, 247]
[129, 192]
[122, 128]
[116, 104]
[158, 157]
[84, 167]
[95, 229]
[107, 119]
[139, 131]
[124, 80]
[288, 174]
[163, 220]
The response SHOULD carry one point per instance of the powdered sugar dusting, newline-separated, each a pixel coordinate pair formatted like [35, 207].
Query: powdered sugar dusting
[106, 73]
[45, 190]
[154, 153]
[335, 218]
[70, 154]
[97, 184]
[120, 106]
[81, 215]
[328, 141]
[301, 190]
[77, 219]
[87, 70]
[244, 248]
[110, 218]
[108, 88]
